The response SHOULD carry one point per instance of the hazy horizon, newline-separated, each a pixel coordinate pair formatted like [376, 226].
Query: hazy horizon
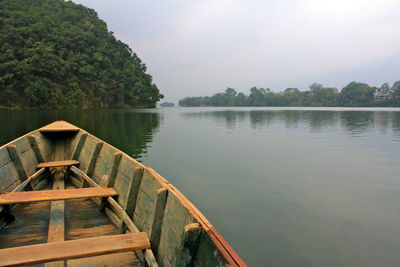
[198, 48]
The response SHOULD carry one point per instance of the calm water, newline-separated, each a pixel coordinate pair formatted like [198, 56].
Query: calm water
[286, 187]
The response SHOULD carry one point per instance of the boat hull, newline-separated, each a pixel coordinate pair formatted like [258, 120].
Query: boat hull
[179, 233]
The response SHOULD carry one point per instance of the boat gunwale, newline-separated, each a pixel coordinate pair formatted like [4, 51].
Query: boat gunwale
[220, 243]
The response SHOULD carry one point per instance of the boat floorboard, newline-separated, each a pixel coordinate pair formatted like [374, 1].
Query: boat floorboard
[82, 220]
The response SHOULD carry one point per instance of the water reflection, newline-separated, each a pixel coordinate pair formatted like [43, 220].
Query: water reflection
[357, 122]
[396, 125]
[354, 123]
[130, 131]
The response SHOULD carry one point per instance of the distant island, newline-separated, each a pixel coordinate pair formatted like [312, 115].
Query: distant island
[58, 54]
[354, 94]
[167, 104]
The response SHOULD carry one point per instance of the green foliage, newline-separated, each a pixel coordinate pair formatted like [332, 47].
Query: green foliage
[357, 94]
[59, 54]
[353, 94]
[396, 91]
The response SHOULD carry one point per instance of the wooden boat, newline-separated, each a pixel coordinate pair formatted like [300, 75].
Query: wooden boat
[70, 199]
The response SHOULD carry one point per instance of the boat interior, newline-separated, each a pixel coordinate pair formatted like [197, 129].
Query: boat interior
[70, 199]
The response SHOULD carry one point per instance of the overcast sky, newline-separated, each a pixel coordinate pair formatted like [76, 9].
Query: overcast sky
[197, 48]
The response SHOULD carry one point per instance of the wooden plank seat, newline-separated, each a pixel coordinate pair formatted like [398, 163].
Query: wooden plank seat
[51, 195]
[64, 250]
[60, 163]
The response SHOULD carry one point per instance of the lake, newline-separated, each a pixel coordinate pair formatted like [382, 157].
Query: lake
[285, 186]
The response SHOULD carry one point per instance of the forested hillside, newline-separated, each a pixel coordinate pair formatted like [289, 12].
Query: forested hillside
[57, 54]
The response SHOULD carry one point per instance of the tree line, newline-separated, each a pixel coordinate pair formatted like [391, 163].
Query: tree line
[354, 94]
[58, 54]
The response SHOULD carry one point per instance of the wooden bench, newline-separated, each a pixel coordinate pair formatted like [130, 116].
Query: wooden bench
[50, 195]
[61, 163]
[65, 250]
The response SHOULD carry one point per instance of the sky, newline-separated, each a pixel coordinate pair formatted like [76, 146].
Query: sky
[201, 47]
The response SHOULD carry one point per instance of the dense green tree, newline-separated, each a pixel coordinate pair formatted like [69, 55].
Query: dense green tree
[385, 88]
[292, 96]
[241, 100]
[353, 94]
[324, 96]
[396, 91]
[357, 94]
[315, 87]
[58, 54]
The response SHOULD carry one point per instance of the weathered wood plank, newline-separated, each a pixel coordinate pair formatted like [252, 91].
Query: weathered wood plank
[56, 231]
[59, 126]
[42, 184]
[22, 185]
[132, 194]
[58, 163]
[122, 259]
[30, 226]
[126, 165]
[224, 252]
[47, 147]
[176, 217]
[35, 147]
[158, 216]
[9, 177]
[12, 150]
[148, 253]
[190, 244]
[93, 159]
[52, 195]
[57, 217]
[4, 157]
[79, 146]
[75, 181]
[73, 249]
[104, 164]
[103, 201]
[79, 173]
[22, 144]
[114, 169]
[87, 152]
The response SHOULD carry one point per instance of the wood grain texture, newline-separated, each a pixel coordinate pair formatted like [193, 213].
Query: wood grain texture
[41, 253]
[158, 216]
[93, 159]
[34, 176]
[148, 253]
[51, 195]
[82, 220]
[190, 244]
[114, 169]
[56, 230]
[132, 194]
[216, 245]
[59, 126]
[79, 146]
[9, 177]
[58, 163]
[12, 150]
[30, 226]
[35, 147]
[122, 259]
